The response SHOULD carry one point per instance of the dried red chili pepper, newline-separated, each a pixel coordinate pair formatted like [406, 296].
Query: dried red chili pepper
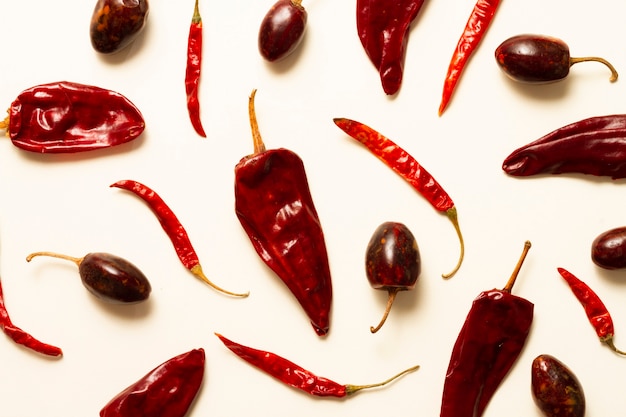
[275, 207]
[173, 228]
[593, 146]
[489, 343]
[409, 169]
[166, 391]
[21, 337]
[192, 74]
[597, 313]
[295, 376]
[67, 117]
[383, 28]
[116, 23]
[475, 28]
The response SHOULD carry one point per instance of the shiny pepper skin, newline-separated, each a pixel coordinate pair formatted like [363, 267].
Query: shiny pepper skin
[116, 23]
[282, 29]
[555, 389]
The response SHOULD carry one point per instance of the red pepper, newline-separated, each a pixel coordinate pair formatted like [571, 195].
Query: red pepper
[403, 164]
[173, 228]
[275, 207]
[597, 313]
[475, 29]
[489, 343]
[166, 391]
[66, 117]
[383, 28]
[21, 337]
[192, 75]
[295, 376]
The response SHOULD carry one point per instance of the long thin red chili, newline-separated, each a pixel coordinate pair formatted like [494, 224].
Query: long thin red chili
[409, 169]
[295, 376]
[174, 230]
[597, 313]
[21, 337]
[192, 74]
[475, 29]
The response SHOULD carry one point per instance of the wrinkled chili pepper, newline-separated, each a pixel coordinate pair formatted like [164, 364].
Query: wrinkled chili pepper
[593, 146]
[295, 376]
[67, 117]
[166, 391]
[192, 75]
[273, 202]
[383, 28]
[475, 28]
[489, 343]
[173, 228]
[597, 313]
[21, 337]
[409, 169]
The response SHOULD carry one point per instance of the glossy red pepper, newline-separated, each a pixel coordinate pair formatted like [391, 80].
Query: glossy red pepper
[488, 345]
[193, 71]
[295, 376]
[174, 230]
[593, 146]
[66, 117]
[166, 391]
[383, 28]
[475, 28]
[273, 202]
[405, 165]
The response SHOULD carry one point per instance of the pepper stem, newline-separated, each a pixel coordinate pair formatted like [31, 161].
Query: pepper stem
[609, 342]
[351, 389]
[452, 215]
[4, 124]
[509, 285]
[613, 78]
[77, 261]
[259, 146]
[392, 296]
[197, 271]
[196, 19]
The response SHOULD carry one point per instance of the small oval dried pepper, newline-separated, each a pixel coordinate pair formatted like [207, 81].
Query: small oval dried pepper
[295, 376]
[383, 28]
[116, 23]
[166, 391]
[67, 117]
[192, 74]
[597, 313]
[592, 146]
[403, 164]
[173, 228]
[274, 205]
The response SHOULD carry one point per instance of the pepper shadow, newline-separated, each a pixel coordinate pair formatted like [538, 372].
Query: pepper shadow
[285, 64]
[131, 312]
[552, 91]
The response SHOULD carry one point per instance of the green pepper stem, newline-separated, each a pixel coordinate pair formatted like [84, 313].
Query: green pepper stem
[77, 261]
[351, 389]
[609, 342]
[451, 213]
[199, 273]
[614, 74]
[392, 296]
[196, 19]
[509, 285]
[259, 146]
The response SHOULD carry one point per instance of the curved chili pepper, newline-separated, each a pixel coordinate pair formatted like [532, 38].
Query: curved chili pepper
[593, 146]
[192, 74]
[21, 337]
[475, 29]
[403, 164]
[597, 313]
[489, 343]
[295, 376]
[274, 206]
[67, 117]
[166, 391]
[174, 230]
[383, 28]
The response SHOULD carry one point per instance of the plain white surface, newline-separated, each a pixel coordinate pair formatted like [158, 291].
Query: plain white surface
[63, 203]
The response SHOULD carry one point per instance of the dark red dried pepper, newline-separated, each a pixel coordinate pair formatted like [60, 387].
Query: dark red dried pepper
[475, 29]
[383, 28]
[593, 146]
[275, 207]
[173, 228]
[115, 24]
[192, 74]
[67, 117]
[166, 391]
[401, 162]
[597, 313]
[21, 337]
[295, 376]
[488, 345]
